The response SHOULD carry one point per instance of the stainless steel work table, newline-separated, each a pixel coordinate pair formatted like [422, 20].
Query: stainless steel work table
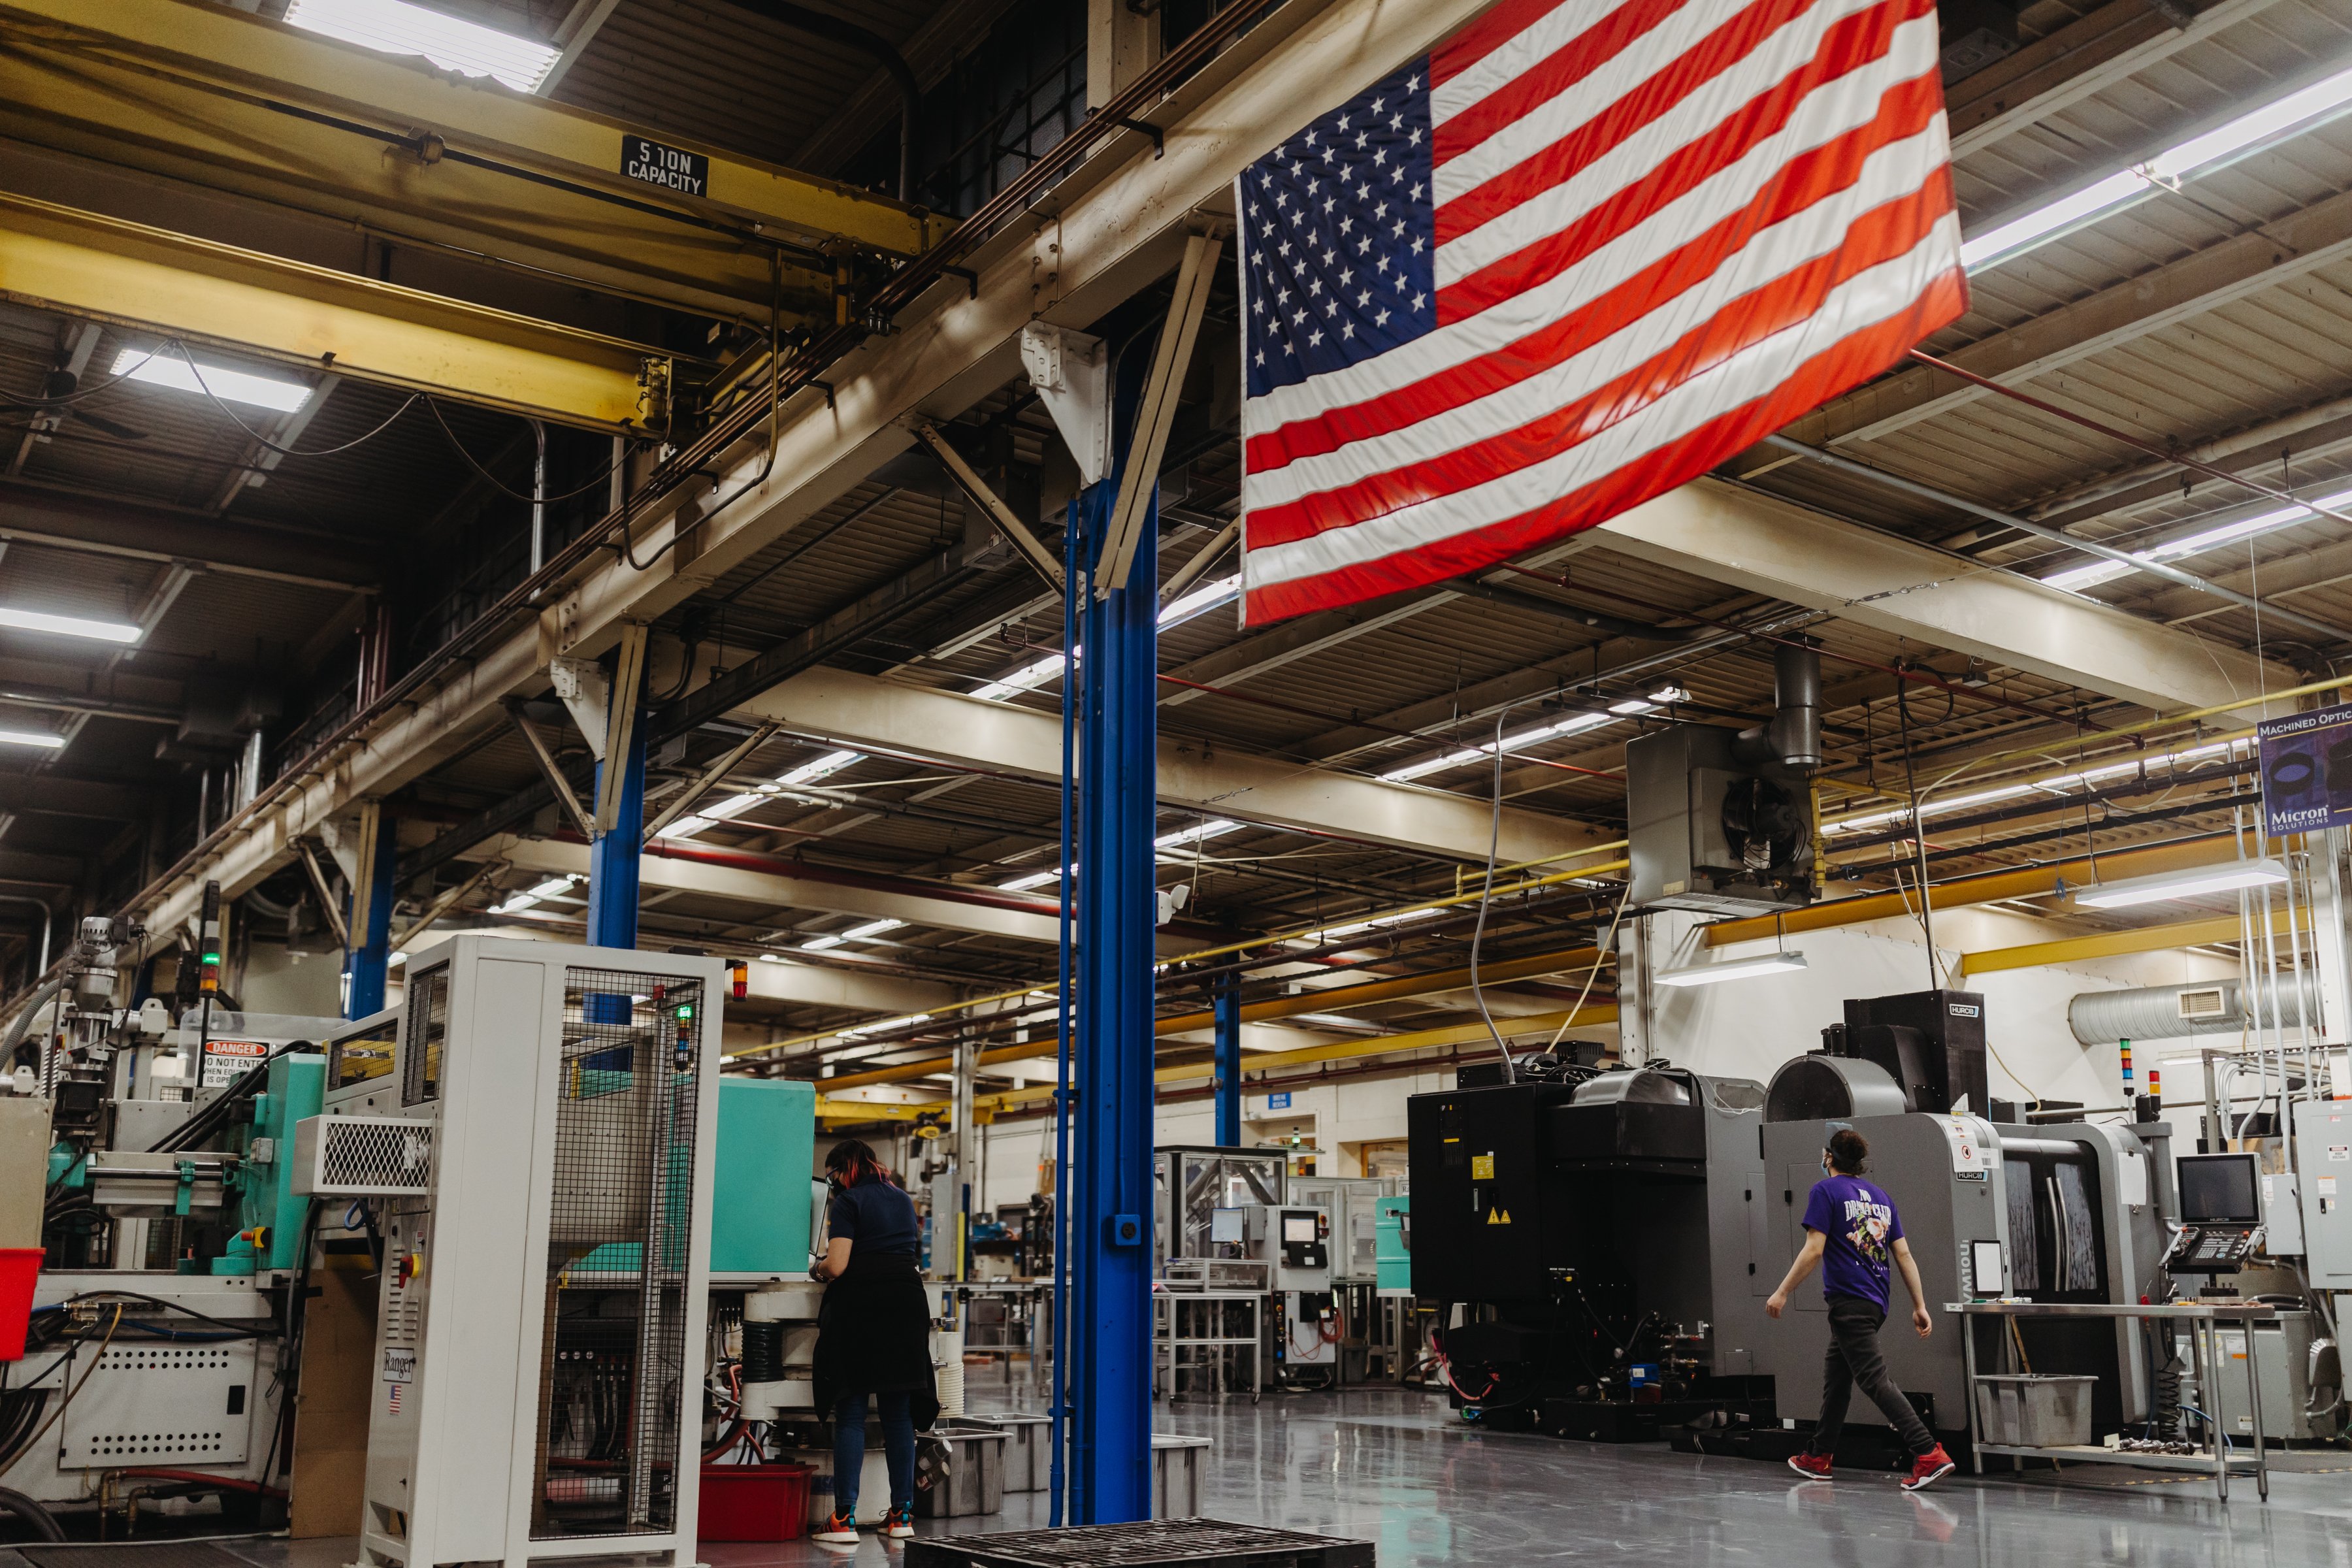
[2204, 1320]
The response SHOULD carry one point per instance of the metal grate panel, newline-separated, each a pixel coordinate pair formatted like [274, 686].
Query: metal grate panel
[357, 1156]
[619, 1244]
[1143, 1545]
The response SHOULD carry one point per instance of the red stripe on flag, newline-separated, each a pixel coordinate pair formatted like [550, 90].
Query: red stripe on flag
[1875, 238]
[1547, 78]
[1475, 40]
[1852, 42]
[1846, 362]
[1803, 183]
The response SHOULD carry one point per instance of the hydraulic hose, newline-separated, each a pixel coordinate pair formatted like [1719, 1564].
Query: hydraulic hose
[15, 1035]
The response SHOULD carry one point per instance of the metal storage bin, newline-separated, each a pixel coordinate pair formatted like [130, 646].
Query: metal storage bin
[1028, 1449]
[2034, 1410]
[1176, 1475]
[974, 1482]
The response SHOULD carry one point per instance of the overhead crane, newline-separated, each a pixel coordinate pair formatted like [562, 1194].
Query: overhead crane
[256, 112]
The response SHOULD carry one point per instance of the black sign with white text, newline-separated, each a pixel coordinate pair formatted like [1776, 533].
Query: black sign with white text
[671, 168]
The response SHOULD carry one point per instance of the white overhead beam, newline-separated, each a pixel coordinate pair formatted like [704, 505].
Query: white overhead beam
[775, 891]
[868, 714]
[1766, 546]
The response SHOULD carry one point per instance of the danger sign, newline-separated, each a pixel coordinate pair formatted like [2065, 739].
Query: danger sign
[226, 1061]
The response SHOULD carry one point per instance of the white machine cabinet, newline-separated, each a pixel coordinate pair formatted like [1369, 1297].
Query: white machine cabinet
[541, 1337]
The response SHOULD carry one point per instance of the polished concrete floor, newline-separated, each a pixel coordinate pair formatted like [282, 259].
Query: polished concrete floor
[1395, 1468]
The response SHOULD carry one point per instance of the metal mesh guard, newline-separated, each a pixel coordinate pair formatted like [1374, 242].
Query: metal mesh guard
[373, 1156]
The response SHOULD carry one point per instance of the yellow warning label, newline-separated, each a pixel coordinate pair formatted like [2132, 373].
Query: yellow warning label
[1498, 1216]
[1482, 1167]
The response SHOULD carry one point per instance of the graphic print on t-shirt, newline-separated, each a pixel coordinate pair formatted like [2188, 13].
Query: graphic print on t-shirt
[1867, 1224]
[1858, 1222]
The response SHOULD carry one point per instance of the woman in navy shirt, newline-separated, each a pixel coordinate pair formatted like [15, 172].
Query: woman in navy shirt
[872, 1336]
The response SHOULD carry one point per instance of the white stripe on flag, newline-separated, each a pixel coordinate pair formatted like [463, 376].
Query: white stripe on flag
[1537, 42]
[1821, 119]
[1894, 171]
[1862, 302]
[1912, 50]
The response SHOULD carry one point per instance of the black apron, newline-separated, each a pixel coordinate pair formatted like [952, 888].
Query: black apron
[873, 1335]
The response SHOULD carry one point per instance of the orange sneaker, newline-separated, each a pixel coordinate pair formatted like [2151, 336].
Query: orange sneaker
[1812, 1466]
[840, 1529]
[1928, 1468]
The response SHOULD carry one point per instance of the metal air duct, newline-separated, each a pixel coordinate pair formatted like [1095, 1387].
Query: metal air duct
[2174, 1012]
[1796, 731]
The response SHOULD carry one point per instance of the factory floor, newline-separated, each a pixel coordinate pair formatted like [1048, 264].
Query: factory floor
[1395, 1468]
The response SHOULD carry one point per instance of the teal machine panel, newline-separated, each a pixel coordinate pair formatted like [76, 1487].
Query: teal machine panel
[1393, 1231]
[759, 1194]
[270, 1218]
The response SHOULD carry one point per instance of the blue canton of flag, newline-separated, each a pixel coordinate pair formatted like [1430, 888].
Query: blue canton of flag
[1340, 245]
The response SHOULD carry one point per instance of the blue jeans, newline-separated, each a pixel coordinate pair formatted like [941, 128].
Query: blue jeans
[849, 1450]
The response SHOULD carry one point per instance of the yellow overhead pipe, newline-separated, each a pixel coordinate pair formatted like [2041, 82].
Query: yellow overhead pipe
[2114, 943]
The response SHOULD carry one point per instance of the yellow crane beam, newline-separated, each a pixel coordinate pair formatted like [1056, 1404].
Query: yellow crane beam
[134, 276]
[224, 101]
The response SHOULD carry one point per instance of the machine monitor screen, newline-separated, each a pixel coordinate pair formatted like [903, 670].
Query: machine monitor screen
[1297, 1228]
[2219, 1187]
[1225, 1225]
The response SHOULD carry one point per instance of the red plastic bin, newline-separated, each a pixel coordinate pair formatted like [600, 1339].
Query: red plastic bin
[20, 1270]
[754, 1502]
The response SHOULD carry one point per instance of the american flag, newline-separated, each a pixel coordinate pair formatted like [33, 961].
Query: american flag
[1575, 255]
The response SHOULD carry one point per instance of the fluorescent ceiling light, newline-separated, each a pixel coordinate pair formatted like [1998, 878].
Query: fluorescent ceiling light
[1022, 679]
[68, 625]
[159, 367]
[825, 767]
[451, 42]
[2306, 110]
[1570, 726]
[2222, 879]
[773, 958]
[2054, 783]
[2074, 579]
[1033, 880]
[41, 738]
[1199, 601]
[554, 887]
[818, 944]
[1736, 968]
[1214, 828]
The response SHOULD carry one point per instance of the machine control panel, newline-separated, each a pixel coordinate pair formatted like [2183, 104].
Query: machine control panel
[1302, 1239]
[2222, 1249]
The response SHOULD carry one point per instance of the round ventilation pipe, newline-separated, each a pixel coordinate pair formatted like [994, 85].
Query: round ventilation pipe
[2174, 1012]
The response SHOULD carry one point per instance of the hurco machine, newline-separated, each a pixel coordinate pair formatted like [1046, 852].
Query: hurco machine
[1567, 1227]
[2069, 1211]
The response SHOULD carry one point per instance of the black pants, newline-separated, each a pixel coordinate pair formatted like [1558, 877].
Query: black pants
[1854, 1359]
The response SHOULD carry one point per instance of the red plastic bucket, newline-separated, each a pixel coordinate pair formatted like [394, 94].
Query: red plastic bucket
[20, 1268]
[754, 1502]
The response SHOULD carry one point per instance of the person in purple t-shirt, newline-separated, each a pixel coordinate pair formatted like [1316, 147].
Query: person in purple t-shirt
[1853, 1235]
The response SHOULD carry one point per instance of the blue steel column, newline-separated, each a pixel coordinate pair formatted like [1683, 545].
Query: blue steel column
[1225, 1007]
[613, 859]
[369, 957]
[1110, 1211]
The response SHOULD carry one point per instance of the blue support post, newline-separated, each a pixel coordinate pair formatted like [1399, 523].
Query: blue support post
[1117, 911]
[613, 859]
[369, 956]
[1225, 1007]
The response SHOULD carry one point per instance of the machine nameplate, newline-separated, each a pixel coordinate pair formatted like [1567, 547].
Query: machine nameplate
[399, 1366]
[671, 168]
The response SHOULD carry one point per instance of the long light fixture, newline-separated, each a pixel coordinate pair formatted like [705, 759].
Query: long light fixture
[735, 805]
[1736, 969]
[453, 43]
[41, 738]
[2051, 784]
[1576, 724]
[2226, 877]
[2074, 579]
[1175, 613]
[866, 932]
[166, 367]
[553, 888]
[2307, 108]
[68, 625]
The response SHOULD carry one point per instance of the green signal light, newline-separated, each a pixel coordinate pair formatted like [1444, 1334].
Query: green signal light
[212, 958]
[685, 1012]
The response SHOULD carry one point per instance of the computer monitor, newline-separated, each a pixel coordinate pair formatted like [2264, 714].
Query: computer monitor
[1225, 1225]
[1297, 1228]
[2219, 1188]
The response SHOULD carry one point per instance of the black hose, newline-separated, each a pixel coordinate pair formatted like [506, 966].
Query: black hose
[215, 1114]
[44, 1523]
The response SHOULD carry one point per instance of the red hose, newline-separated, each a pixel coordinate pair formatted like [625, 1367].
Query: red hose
[228, 1483]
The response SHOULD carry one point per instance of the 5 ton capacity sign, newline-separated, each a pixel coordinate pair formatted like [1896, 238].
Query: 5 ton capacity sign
[671, 168]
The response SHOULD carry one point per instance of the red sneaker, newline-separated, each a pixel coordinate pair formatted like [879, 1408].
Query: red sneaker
[1812, 1466]
[1928, 1468]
